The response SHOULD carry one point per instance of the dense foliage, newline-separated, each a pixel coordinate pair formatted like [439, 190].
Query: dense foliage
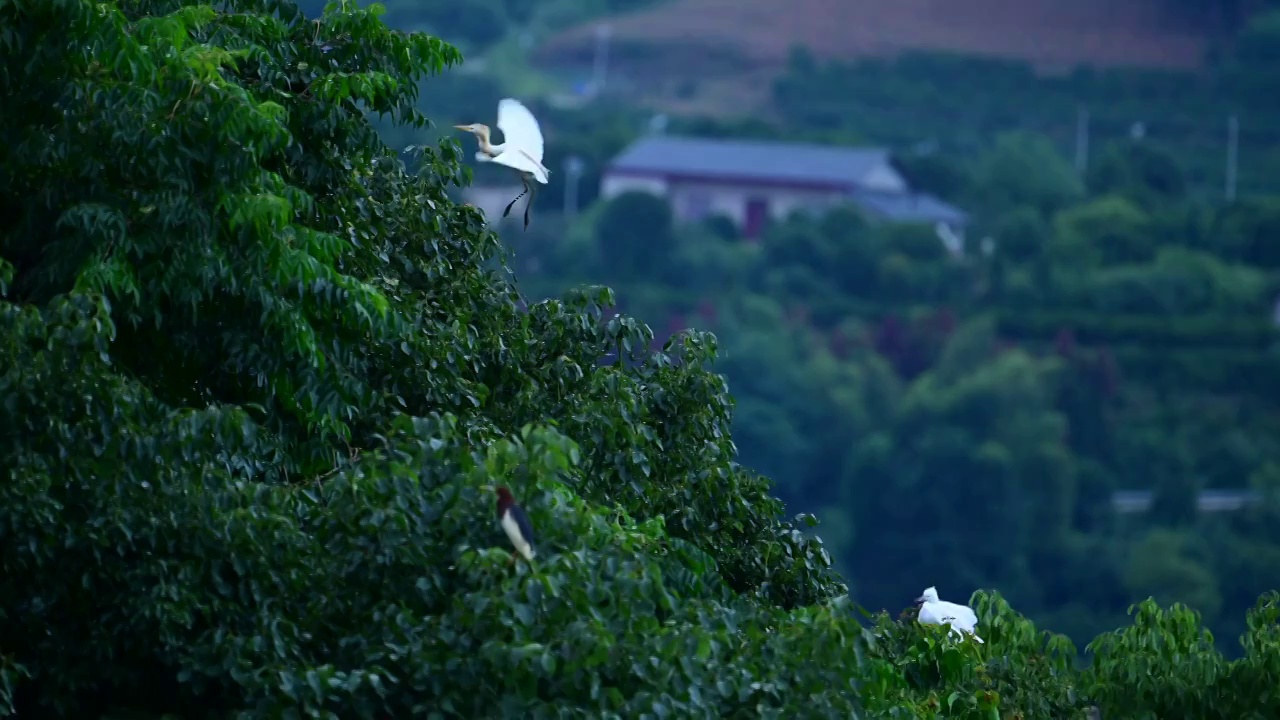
[255, 374]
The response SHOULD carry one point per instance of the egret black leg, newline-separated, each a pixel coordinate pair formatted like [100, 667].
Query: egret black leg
[513, 202]
[532, 194]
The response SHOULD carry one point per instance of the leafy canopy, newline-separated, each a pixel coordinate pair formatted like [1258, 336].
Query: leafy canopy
[254, 372]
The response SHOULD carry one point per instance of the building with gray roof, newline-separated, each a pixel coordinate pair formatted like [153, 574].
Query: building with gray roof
[753, 181]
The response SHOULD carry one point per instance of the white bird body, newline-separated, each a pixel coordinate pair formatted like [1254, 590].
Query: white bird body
[521, 148]
[512, 528]
[517, 160]
[960, 618]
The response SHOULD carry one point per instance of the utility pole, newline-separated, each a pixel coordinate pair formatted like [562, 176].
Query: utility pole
[1233, 156]
[573, 167]
[1082, 139]
[600, 64]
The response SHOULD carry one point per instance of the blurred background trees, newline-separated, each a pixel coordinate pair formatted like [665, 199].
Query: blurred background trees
[1049, 411]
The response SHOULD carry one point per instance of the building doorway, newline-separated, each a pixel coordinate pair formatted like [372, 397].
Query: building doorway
[757, 216]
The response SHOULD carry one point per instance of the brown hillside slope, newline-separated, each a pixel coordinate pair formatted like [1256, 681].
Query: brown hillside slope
[1048, 33]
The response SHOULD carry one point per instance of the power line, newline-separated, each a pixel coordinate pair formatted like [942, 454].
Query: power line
[1082, 140]
[1233, 143]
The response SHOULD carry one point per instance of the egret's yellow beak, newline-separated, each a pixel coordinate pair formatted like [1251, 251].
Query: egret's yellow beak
[463, 127]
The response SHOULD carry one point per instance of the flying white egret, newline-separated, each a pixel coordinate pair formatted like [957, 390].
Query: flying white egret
[520, 150]
[939, 612]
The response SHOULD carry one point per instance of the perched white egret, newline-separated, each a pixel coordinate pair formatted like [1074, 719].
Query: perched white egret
[520, 150]
[950, 240]
[939, 612]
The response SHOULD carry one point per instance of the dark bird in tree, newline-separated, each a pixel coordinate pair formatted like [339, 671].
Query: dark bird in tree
[515, 522]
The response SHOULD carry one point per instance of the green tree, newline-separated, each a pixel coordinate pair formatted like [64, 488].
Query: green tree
[635, 236]
[1026, 170]
[1179, 282]
[1147, 173]
[1165, 665]
[1161, 565]
[1254, 64]
[797, 405]
[838, 250]
[1247, 231]
[1108, 230]
[799, 242]
[934, 173]
[1021, 235]
[252, 392]
[944, 491]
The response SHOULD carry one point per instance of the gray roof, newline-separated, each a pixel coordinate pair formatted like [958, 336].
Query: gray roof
[1136, 501]
[751, 159]
[908, 207]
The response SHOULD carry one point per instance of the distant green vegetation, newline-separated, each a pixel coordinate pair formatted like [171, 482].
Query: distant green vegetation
[476, 25]
[959, 105]
[967, 419]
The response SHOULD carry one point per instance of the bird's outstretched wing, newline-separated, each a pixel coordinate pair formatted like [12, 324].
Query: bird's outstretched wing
[962, 615]
[522, 521]
[515, 158]
[520, 129]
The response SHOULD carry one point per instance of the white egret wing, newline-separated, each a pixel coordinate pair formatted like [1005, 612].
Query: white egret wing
[519, 128]
[961, 616]
[964, 614]
[517, 159]
[927, 615]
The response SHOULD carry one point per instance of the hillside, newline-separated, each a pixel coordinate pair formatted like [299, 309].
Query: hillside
[1049, 33]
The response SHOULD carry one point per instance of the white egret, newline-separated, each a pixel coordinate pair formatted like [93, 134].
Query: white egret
[950, 240]
[939, 612]
[520, 150]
